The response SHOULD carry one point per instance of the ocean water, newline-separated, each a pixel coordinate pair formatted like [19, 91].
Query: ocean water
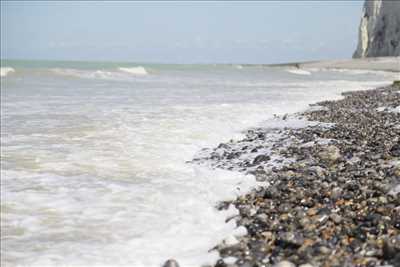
[93, 155]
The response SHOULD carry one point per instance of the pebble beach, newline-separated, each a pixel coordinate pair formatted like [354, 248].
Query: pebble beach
[328, 189]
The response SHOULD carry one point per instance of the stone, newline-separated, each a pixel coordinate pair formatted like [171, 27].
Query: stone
[336, 193]
[221, 263]
[171, 263]
[318, 208]
[336, 218]
[318, 171]
[260, 159]
[230, 260]
[391, 248]
[260, 174]
[312, 211]
[286, 239]
[395, 150]
[330, 154]
[284, 264]
[231, 240]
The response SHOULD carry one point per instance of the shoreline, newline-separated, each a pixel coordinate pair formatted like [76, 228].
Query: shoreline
[331, 195]
[382, 64]
[389, 64]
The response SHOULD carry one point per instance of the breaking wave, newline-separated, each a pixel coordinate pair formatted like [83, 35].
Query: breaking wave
[85, 74]
[114, 74]
[135, 70]
[6, 70]
[299, 72]
[384, 73]
[362, 72]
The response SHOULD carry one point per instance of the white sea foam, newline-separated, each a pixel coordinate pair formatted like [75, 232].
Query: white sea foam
[389, 109]
[116, 74]
[135, 70]
[89, 74]
[4, 71]
[388, 74]
[299, 71]
[88, 220]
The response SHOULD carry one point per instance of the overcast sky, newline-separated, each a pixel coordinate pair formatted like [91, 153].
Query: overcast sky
[180, 32]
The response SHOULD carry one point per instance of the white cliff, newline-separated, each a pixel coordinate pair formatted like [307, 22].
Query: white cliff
[379, 33]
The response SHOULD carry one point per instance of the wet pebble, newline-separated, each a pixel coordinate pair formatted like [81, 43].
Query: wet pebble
[334, 203]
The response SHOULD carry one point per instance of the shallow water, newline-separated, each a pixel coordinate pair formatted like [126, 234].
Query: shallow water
[93, 158]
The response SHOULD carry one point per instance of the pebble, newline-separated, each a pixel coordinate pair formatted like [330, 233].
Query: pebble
[171, 263]
[230, 260]
[336, 218]
[261, 158]
[330, 154]
[240, 231]
[230, 241]
[284, 264]
[333, 203]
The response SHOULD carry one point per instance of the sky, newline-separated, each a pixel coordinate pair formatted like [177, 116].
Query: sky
[180, 31]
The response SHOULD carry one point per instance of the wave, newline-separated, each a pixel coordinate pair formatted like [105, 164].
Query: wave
[6, 70]
[116, 74]
[135, 70]
[299, 72]
[355, 71]
[88, 74]
[363, 72]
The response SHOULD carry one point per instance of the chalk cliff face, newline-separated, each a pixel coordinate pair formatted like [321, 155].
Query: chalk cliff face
[379, 33]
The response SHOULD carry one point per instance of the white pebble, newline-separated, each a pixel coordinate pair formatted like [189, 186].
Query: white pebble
[240, 231]
[171, 263]
[284, 264]
[252, 212]
[231, 240]
[230, 260]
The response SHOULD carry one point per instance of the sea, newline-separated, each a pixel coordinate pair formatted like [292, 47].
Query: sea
[95, 155]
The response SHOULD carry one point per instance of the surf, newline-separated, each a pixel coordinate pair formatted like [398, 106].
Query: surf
[4, 71]
[134, 70]
[120, 73]
[299, 72]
